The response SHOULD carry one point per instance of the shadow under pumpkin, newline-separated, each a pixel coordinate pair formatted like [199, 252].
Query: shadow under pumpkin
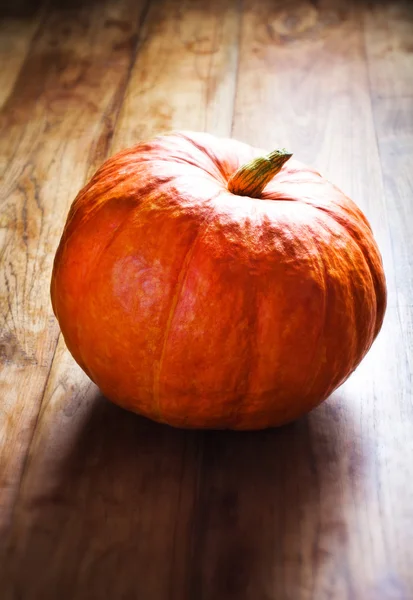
[134, 509]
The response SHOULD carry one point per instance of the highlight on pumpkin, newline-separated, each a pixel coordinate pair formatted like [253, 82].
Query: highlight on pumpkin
[251, 179]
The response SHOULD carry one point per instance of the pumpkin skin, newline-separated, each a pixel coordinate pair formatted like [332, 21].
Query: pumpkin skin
[200, 308]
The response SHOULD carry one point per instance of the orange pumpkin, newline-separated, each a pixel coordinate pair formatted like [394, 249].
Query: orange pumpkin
[202, 286]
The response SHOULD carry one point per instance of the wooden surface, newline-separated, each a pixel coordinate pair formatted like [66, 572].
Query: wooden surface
[97, 503]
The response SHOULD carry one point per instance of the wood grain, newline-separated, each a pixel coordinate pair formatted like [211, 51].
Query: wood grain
[15, 38]
[54, 124]
[389, 51]
[194, 47]
[108, 505]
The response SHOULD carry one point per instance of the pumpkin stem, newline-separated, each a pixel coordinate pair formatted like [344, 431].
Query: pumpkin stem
[251, 179]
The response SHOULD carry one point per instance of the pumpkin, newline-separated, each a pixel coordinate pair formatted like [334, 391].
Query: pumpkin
[202, 284]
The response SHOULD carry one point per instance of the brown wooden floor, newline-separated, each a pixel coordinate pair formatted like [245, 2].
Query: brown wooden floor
[99, 504]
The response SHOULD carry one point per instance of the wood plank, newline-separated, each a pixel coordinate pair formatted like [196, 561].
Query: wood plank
[16, 36]
[134, 482]
[390, 62]
[389, 46]
[390, 59]
[106, 502]
[321, 509]
[55, 125]
[194, 48]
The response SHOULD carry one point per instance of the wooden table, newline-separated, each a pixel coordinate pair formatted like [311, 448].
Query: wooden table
[97, 503]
